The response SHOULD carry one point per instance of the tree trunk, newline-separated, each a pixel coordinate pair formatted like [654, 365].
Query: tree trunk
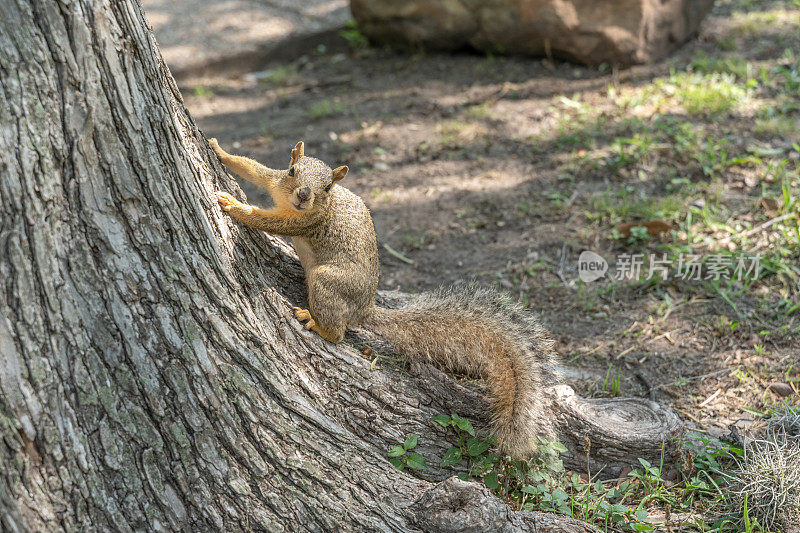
[152, 375]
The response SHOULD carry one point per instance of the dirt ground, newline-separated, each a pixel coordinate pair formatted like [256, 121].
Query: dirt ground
[504, 169]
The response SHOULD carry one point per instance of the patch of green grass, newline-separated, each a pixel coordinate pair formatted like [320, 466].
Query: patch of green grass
[415, 238]
[578, 125]
[625, 205]
[532, 208]
[612, 383]
[541, 483]
[355, 39]
[202, 92]
[737, 66]
[629, 151]
[280, 75]
[379, 195]
[456, 133]
[710, 154]
[789, 75]
[726, 44]
[708, 94]
[713, 88]
[688, 165]
[587, 297]
[477, 112]
[758, 23]
[324, 108]
[449, 132]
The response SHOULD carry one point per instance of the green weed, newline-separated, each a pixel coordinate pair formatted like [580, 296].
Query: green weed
[401, 455]
[612, 383]
[542, 484]
[708, 94]
[324, 108]
[355, 39]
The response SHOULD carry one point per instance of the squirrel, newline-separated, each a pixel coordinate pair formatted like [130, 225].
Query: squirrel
[464, 329]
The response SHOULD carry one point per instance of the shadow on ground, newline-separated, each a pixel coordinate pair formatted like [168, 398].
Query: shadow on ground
[505, 169]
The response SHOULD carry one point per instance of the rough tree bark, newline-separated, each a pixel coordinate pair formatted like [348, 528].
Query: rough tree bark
[151, 374]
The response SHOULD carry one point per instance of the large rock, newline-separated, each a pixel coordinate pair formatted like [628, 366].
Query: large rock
[588, 31]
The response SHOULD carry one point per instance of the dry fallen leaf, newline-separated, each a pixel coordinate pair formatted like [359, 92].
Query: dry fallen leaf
[769, 205]
[781, 389]
[654, 228]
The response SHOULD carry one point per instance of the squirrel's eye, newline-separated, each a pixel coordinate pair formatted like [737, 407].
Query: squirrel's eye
[291, 171]
[328, 188]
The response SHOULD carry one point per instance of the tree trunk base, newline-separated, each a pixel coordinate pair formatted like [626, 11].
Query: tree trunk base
[456, 506]
[153, 375]
[602, 435]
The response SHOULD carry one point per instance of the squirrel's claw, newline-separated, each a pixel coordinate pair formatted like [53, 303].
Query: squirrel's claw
[301, 314]
[215, 145]
[226, 201]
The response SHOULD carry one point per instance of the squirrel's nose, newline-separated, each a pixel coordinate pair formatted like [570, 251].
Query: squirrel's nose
[303, 194]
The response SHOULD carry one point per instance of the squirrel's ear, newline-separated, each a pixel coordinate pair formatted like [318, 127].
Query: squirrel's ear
[297, 152]
[339, 172]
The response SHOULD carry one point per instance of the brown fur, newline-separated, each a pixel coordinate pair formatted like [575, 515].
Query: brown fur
[484, 334]
[464, 329]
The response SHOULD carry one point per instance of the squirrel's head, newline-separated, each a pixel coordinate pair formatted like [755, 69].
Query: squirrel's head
[309, 181]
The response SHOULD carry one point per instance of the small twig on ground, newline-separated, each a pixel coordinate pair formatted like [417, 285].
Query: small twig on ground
[651, 391]
[759, 228]
[572, 197]
[549, 63]
[689, 415]
[326, 82]
[561, 264]
[665, 335]
[624, 352]
[710, 398]
[398, 255]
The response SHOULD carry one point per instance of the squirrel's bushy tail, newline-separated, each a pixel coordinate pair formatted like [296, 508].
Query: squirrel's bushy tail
[485, 334]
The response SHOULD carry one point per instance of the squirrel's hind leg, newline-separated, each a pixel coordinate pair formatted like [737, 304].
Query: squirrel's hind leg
[329, 308]
[301, 314]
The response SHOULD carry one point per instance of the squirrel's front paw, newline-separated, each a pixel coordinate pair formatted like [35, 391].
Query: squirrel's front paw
[215, 145]
[226, 201]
